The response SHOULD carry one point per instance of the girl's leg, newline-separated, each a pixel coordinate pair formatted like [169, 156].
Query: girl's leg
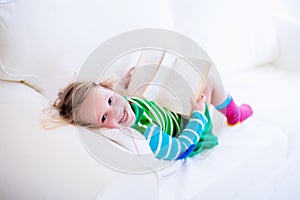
[214, 89]
[223, 102]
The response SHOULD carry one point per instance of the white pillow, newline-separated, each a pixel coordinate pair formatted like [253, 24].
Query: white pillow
[289, 43]
[45, 43]
[235, 34]
[287, 21]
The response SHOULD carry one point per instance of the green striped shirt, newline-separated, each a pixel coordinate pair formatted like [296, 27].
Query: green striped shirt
[162, 129]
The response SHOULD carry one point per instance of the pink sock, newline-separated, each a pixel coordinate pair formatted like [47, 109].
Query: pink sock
[234, 113]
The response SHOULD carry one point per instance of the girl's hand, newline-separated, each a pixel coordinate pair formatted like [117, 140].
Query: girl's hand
[199, 104]
[125, 80]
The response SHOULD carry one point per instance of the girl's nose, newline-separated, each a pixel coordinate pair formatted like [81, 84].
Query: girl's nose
[111, 112]
[116, 111]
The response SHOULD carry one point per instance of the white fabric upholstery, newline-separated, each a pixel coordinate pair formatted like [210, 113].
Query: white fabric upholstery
[44, 44]
[245, 154]
[235, 34]
[37, 163]
[288, 31]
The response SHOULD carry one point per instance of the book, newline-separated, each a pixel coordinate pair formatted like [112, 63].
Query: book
[169, 79]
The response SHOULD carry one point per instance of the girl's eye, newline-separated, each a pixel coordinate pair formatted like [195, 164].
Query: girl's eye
[103, 118]
[109, 101]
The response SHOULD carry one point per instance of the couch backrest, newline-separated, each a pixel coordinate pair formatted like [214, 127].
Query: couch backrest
[236, 34]
[44, 43]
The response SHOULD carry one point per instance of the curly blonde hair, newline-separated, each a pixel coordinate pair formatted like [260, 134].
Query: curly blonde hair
[69, 101]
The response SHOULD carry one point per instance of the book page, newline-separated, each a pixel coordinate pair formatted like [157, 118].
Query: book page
[169, 80]
[194, 73]
[145, 70]
[170, 90]
[159, 87]
[176, 82]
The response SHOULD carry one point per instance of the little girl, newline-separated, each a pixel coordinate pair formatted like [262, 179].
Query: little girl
[98, 105]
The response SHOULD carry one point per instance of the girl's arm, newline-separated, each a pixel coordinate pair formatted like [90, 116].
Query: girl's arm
[169, 148]
[125, 80]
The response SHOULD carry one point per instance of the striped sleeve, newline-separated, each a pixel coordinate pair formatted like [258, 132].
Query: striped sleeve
[169, 148]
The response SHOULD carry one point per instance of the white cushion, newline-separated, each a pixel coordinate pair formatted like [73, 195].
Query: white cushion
[45, 43]
[58, 164]
[236, 34]
[245, 154]
[55, 164]
[288, 30]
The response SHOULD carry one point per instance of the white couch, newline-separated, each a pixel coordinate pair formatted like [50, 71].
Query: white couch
[44, 44]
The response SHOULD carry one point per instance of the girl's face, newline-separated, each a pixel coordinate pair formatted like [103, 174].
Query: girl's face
[107, 108]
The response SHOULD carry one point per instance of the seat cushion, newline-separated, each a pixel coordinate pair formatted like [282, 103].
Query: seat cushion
[244, 154]
[58, 164]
